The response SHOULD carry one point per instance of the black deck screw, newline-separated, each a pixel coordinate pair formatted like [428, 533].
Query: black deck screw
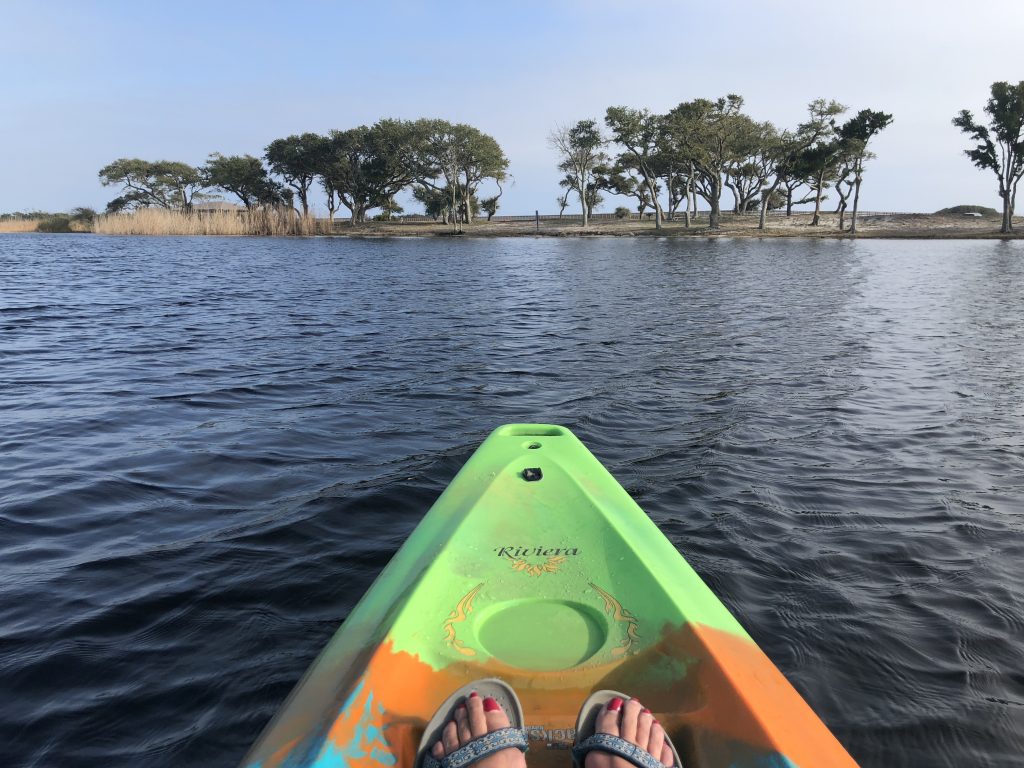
[532, 473]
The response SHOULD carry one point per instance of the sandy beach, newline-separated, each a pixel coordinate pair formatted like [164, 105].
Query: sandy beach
[900, 225]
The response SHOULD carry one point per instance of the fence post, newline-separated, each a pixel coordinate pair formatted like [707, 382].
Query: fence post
[536, 221]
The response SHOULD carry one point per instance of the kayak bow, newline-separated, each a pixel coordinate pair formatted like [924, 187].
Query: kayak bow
[535, 566]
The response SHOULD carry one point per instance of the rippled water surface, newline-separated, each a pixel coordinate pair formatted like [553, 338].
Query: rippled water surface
[210, 447]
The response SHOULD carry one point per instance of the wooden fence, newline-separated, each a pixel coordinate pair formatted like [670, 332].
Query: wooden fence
[633, 216]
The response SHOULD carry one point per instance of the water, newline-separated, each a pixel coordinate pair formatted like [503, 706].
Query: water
[200, 438]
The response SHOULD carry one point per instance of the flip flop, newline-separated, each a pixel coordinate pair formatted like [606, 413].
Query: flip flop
[479, 748]
[589, 740]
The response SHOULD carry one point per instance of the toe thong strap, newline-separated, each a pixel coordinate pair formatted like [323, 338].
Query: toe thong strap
[478, 749]
[606, 742]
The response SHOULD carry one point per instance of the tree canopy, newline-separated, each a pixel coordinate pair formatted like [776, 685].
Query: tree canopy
[297, 160]
[458, 158]
[581, 149]
[162, 184]
[362, 168]
[245, 177]
[999, 146]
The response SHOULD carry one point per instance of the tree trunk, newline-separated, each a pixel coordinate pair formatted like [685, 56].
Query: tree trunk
[1013, 202]
[765, 199]
[689, 187]
[789, 202]
[657, 205]
[817, 199]
[716, 194]
[735, 198]
[466, 201]
[583, 202]
[331, 208]
[856, 201]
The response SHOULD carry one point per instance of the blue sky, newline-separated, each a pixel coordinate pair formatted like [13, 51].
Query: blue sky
[86, 83]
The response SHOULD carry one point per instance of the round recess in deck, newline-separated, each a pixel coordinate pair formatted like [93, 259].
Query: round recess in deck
[542, 634]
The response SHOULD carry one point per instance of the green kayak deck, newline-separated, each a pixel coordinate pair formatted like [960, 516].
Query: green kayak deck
[535, 566]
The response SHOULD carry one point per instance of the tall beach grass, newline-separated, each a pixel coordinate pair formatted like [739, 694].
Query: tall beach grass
[19, 225]
[157, 221]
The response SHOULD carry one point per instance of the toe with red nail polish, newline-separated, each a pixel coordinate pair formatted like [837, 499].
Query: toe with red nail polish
[490, 705]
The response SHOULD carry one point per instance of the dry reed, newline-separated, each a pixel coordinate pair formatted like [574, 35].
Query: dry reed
[157, 221]
[19, 225]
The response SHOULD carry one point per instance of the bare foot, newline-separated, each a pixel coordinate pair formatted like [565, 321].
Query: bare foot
[474, 718]
[633, 722]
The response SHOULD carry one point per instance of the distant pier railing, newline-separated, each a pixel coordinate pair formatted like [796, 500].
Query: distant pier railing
[632, 216]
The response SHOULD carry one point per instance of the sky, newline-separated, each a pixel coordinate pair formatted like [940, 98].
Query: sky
[89, 82]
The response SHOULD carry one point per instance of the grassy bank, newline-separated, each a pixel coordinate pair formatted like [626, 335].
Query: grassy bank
[903, 225]
[157, 221]
[19, 225]
[278, 223]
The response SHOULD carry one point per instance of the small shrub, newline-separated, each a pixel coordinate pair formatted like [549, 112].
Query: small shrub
[957, 210]
[55, 224]
[621, 212]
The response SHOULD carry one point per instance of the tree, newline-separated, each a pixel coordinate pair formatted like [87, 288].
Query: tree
[389, 209]
[1000, 145]
[581, 148]
[756, 153]
[779, 156]
[366, 166]
[345, 171]
[855, 135]
[625, 180]
[489, 205]
[563, 201]
[791, 182]
[796, 171]
[297, 160]
[458, 158]
[843, 184]
[245, 177]
[161, 184]
[711, 133]
[638, 132]
[819, 160]
[436, 202]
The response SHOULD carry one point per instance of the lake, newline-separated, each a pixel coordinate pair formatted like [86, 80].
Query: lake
[198, 437]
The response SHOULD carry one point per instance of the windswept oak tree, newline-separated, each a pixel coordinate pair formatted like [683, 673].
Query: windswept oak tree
[458, 158]
[622, 178]
[752, 164]
[778, 157]
[160, 184]
[581, 149]
[704, 146]
[366, 166]
[712, 134]
[638, 131]
[245, 177]
[819, 161]
[854, 136]
[297, 160]
[1000, 145]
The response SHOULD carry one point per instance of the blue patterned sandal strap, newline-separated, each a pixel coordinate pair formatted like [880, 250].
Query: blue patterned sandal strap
[606, 742]
[478, 749]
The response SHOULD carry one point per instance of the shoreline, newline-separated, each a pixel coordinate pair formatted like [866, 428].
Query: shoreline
[911, 226]
[900, 226]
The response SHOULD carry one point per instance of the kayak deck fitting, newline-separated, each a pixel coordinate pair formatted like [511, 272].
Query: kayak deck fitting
[536, 566]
